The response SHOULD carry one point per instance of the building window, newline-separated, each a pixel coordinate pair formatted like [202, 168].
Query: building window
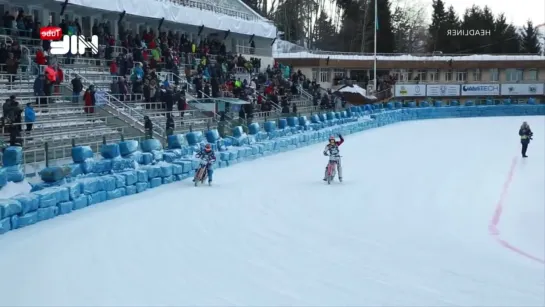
[513, 75]
[339, 73]
[433, 75]
[532, 75]
[494, 75]
[402, 75]
[461, 76]
[315, 72]
[324, 75]
[420, 75]
[449, 75]
[477, 75]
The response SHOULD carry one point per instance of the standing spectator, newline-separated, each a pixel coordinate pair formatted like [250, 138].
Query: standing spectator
[39, 92]
[30, 116]
[12, 65]
[148, 128]
[170, 124]
[77, 87]
[89, 100]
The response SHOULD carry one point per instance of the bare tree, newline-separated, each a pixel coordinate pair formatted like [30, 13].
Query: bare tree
[409, 23]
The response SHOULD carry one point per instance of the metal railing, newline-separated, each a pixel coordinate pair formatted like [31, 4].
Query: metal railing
[403, 57]
[212, 7]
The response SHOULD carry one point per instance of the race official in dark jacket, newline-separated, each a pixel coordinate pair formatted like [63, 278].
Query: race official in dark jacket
[525, 134]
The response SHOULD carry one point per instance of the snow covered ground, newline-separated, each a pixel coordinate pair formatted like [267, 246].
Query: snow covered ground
[410, 226]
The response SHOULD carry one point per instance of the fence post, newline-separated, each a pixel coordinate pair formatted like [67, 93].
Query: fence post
[46, 148]
[191, 128]
[103, 140]
[207, 125]
[73, 142]
[122, 137]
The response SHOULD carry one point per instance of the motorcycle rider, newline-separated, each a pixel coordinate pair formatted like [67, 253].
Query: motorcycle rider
[207, 155]
[332, 150]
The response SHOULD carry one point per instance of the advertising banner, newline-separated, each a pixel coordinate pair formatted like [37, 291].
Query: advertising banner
[443, 90]
[480, 90]
[514, 89]
[410, 90]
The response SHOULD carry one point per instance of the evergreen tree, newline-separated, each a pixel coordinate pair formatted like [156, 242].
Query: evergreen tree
[324, 33]
[505, 37]
[449, 42]
[436, 32]
[529, 40]
[385, 31]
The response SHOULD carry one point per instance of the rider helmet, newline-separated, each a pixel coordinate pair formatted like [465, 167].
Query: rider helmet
[332, 139]
[207, 148]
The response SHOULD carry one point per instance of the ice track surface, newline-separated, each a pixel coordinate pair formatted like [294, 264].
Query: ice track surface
[408, 227]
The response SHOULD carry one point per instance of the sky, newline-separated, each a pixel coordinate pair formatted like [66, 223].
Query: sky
[517, 12]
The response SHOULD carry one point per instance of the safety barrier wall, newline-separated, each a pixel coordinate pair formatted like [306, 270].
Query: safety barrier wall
[129, 167]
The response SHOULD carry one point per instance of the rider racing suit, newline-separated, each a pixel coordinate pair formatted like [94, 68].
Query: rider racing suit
[332, 150]
[210, 158]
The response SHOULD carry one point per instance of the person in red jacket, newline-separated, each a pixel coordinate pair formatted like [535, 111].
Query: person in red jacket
[40, 57]
[332, 150]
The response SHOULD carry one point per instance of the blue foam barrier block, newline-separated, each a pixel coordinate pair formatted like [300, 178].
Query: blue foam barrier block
[47, 197]
[142, 175]
[14, 173]
[52, 174]
[166, 170]
[170, 157]
[108, 183]
[153, 171]
[121, 164]
[531, 101]
[102, 166]
[5, 225]
[74, 169]
[29, 202]
[28, 219]
[168, 179]
[109, 151]
[141, 187]
[87, 165]
[253, 128]
[147, 158]
[119, 180]
[151, 145]
[212, 135]
[13, 155]
[237, 131]
[136, 156]
[91, 185]
[155, 182]
[269, 126]
[62, 193]
[81, 153]
[130, 189]
[81, 202]
[74, 189]
[10, 207]
[185, 164]
[3, 178]
[47, 213]
[292, 121]
[128, 147]
[157, 155]
[176, 141]
[130, 177]
[194, 138]
[117, 193]
[282, 123]
[177, 169]
[65, 207]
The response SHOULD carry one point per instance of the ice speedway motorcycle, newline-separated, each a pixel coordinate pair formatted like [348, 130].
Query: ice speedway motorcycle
[202, 173]
[332, 167]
